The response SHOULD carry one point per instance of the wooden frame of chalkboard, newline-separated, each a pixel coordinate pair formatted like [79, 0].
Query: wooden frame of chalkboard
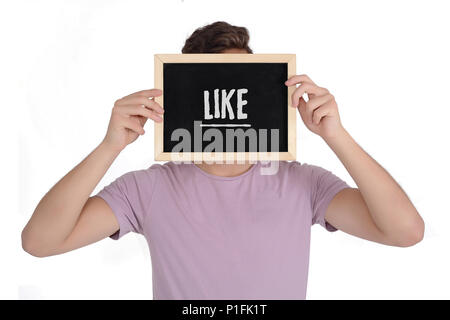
[289, 152]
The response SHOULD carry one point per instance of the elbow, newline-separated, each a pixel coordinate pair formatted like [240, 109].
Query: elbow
[412, 235]
[30, 246]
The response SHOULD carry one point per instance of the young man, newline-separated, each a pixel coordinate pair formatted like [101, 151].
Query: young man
[224, 231]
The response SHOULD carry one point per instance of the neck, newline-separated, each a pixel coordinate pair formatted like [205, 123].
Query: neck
[225, 170]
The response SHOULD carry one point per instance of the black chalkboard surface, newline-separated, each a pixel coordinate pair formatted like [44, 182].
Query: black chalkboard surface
[224, 103]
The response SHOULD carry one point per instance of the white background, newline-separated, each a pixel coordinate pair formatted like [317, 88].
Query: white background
[64, 63]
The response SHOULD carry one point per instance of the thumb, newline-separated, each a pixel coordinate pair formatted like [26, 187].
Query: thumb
[142, 120]
[302, 108]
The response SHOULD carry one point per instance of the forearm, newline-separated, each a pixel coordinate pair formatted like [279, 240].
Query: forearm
[57, 213]
[389, 206]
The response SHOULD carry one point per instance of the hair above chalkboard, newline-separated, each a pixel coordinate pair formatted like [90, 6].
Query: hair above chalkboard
[217, 37]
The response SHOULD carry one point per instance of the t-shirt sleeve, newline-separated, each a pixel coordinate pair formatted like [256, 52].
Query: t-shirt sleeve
[324, 186]
[129, 197]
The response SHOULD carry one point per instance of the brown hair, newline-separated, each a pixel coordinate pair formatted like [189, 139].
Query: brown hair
[217, 37]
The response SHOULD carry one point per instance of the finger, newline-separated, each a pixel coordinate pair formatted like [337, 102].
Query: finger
[155, 117]
[321, 112]
[132, 125]
[298, 79]
[138, 100]
[315, 103]
[302, 109]
[149, 93]
[142, 120]
[139, 110]
[155, 106]
[302, 103]
[310, 89]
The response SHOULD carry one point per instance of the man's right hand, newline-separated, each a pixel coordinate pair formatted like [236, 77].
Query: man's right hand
[73, 217]
[129, 116]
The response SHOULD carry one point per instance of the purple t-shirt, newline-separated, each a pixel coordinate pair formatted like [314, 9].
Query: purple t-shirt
[211, 237]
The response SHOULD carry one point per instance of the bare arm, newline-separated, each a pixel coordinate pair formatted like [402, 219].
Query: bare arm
[379, 210]
[52, 225]
[67, 217]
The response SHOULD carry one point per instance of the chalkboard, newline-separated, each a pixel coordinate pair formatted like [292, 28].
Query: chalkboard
[225, 104]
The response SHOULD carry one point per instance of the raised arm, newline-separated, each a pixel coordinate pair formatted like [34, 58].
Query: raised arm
[67, 217]
[378, 210]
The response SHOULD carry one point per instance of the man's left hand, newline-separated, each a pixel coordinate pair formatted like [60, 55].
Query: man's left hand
[320, 113]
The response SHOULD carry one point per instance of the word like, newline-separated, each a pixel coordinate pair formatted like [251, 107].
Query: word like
[221, 109]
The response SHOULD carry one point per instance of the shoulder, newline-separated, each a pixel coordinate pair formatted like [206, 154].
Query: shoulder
[172, 169]
[142, 174]
[138, 179]
[302, 174]
[168, 172]
[156, 169]
[297, 168]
